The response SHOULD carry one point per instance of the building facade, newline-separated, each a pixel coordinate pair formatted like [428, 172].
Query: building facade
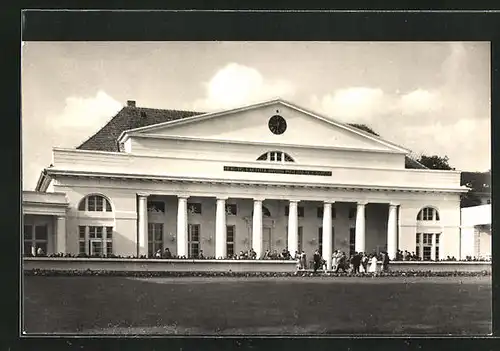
[266, 176]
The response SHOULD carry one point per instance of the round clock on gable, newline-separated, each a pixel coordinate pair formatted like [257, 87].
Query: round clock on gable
[277, 124]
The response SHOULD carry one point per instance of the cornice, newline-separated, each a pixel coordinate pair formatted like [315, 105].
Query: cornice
[249, 183]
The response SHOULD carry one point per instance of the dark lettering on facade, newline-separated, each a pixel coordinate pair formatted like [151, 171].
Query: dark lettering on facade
[277, 171]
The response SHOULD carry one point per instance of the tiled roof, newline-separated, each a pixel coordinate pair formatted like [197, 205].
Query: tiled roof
[131, 117]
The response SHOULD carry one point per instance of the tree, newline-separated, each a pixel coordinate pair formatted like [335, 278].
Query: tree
[435, 162]
[364, 128]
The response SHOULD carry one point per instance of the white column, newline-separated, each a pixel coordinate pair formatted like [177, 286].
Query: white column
[327, 234]
[61, 235]
[182, 226]
[220, 228]
[142, 213]
[392, 231]
[359, 244]
[257, 227]
[293, 226]
[433, 247]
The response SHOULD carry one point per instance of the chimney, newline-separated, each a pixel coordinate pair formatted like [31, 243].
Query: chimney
[131, 103]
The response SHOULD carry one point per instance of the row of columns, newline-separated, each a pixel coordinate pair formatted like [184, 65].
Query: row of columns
[220, 228]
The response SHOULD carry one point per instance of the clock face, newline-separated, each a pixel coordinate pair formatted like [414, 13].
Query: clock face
[277, 124]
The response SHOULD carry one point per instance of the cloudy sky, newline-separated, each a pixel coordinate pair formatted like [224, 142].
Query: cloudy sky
[432, 98]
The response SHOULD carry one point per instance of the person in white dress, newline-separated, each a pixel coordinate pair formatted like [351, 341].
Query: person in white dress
[373, 265]
[334, 260]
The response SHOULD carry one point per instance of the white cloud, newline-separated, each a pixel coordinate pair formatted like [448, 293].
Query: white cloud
[87, 112]
[354, 104]
[453, 140]
[237, 85]
[420, 101]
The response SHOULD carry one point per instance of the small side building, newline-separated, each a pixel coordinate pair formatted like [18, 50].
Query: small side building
[475, 240]
[44, 222]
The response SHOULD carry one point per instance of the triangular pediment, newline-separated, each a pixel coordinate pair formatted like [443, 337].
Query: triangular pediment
[251, 124]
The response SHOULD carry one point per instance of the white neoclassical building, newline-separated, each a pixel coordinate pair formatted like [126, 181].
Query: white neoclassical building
[266, 176]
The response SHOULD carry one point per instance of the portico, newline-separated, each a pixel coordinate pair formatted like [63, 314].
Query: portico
[271, 222]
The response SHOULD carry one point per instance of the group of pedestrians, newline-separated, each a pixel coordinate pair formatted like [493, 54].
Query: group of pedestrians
[359, 262]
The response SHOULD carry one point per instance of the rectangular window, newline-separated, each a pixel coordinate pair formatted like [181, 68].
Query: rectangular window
[28, 239]
[156, 207]
[230, 236]
[352, 213]
[193, 240]
[194, 208]
[426, 253]
[94, 240]
[437, 253]
[109, 240]
[96, 247]
[231, 209]
[28, 232]
[278, 156]
[41, 232]
[417, 251]
[155, 238]
[300, 239]
[95, 232]
[82, 247]
[352, 241]
[27, 248]
[35, 237]
[273, 156]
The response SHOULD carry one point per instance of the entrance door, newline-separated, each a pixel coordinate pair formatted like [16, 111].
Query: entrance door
[95, 247]
[266, 239]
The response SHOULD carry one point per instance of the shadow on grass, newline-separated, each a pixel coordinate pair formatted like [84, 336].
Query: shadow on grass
[119, 305]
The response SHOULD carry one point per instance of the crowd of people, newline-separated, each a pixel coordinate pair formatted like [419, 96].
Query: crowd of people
[358, 262]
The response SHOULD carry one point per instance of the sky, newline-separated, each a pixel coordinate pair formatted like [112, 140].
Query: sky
[430, 97]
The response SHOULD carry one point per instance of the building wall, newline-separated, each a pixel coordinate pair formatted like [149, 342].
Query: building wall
[448, 226]
[249, 153]
[122, 195]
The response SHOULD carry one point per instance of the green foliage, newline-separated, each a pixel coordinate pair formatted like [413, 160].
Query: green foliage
[435, 162]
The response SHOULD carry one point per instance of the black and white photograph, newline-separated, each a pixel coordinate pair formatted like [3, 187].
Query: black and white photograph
[290, 188]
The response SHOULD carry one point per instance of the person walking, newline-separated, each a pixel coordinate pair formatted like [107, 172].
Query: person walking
[356, 261]
[317, 260]
[385, 262]
[364, 262]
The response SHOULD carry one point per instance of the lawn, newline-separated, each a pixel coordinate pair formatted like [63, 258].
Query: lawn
[120, 305]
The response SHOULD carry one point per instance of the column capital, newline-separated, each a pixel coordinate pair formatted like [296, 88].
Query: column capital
[60, 218]
[183, 196]
[143, 194]
[294, 201]
[222, 198]
[258, 199]
[328, 202]
[394, 204]
[362, 203]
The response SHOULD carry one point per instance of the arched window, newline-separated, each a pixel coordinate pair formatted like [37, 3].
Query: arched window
[95, 203]
[428, 214]
[275, 156]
